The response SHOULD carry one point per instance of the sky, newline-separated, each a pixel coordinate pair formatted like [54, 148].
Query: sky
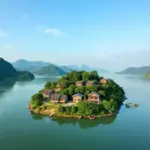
[110, 34]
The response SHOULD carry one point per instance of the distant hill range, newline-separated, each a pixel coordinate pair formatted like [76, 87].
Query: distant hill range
[136, 70]
[50, 70]
[7, 71]
[47, 68]
[86, 68]
[26, 65]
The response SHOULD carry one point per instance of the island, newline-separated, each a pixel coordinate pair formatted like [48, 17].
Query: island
[79, 94]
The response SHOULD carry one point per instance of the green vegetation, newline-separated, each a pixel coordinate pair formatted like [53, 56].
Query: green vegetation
[108, 91]
[128, 105]
[88, 109]
[8, 72]
[111, 94]
[37, 100]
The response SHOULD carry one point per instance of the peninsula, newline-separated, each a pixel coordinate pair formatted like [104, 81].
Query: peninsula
[79, 93]
[9, 73]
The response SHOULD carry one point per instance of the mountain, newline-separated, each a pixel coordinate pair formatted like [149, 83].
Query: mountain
[26, 65]
[86, 68]
[101, 70]
[136, 70]
[65, 68]
[7, 71]
[50, 70]
[35, 66]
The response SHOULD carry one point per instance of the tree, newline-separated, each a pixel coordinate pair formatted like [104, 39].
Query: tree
[102, 93]
[53, 85]
[71, 90]
[65, 83]
[48, 85]
[110, 106]
[37, 99]
[74, 109]
[85, 76]
[94, 75]
[68, 110]
[86, 109]
[61, 109]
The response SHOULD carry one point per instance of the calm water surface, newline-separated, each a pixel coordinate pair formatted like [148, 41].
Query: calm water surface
[19, 130]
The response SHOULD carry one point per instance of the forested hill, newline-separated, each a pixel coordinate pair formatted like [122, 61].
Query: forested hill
[7, 71]
[31, 66]
[50, 70]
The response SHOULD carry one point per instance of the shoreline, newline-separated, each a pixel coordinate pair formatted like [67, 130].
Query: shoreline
[46, 113]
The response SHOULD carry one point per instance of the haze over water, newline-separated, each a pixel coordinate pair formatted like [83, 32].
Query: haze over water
[21, 130]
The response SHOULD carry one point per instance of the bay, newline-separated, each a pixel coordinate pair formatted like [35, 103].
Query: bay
[130, 129]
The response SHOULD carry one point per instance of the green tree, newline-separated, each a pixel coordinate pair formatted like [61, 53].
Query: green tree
[68, 110]
[110, 106]
[48, 85]
[61, 109]
[94, 75]
[102, 93]
[37, 99]
[85, 76]
[74, 109]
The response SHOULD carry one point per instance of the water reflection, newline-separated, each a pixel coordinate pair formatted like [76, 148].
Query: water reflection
[6, 86]
[43, 80]
[83, 123]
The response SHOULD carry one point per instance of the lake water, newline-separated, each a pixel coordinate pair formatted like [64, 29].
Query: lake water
[19, 130]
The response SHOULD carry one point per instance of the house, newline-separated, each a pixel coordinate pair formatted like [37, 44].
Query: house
[58, 98]
[90, 83]
[47, 93]
[77, 97]
[94, 97]
[79, 83]
[103, 81]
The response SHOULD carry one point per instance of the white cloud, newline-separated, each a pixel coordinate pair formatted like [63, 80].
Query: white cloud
[55, 32]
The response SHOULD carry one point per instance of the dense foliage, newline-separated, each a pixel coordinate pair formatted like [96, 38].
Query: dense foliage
[37, 100]
[108, 91]
[88, 109]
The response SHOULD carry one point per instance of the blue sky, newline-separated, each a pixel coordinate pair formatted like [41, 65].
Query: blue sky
[109, 34]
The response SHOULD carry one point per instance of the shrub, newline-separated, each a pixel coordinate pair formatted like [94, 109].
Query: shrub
[74, 109]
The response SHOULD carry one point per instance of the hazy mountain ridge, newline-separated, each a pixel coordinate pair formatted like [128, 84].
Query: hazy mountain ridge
[45, 68]
[26, 65]
[136, 70]
[50, 70]
[86, 68]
